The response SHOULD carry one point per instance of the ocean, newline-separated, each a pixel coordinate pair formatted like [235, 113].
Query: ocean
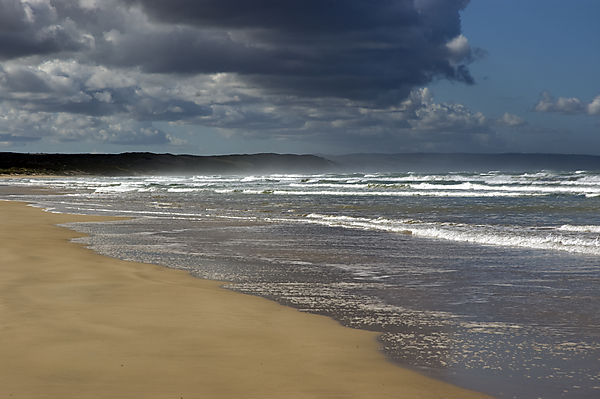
[490, 280]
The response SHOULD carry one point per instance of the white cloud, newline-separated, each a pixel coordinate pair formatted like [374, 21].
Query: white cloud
[103, 96]
[593, 108]
[65, 127]
[423, 114]
[459, 48]
[102, 78]
[567, 105]
[89, 4]
[511, 120]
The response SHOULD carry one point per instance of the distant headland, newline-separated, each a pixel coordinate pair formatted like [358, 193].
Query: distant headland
[146, 163]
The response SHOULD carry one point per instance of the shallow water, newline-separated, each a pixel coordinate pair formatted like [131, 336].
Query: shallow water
[489, 280]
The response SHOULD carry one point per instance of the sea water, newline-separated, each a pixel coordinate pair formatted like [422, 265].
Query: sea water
[487, 280]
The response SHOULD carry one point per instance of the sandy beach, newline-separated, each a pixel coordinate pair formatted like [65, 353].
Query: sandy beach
[78, 324]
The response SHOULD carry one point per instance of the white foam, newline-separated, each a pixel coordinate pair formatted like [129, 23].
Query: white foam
[532, 189]
[183, 190]
[512, 236]
[329, 185]
[584, 228]
[491, 184]
[387, 193]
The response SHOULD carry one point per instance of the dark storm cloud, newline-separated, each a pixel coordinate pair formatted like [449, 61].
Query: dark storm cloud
[181, 50]
[357, 49]
[107, 70]
[299, 16]
[35, 29]
[366, 50]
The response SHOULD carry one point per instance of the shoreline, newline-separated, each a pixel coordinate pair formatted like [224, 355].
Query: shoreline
[79, 324]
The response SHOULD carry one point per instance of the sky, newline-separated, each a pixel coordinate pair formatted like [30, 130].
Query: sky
[300, 76]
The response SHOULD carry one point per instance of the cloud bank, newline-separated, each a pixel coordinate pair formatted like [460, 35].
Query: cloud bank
[107, 71]
[567, 105]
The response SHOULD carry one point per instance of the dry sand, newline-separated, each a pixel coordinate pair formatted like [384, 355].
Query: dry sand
[77, 324]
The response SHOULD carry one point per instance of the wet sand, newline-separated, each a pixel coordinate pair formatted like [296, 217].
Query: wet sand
[78, 324]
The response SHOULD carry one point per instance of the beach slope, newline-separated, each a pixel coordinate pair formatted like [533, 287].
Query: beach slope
[79, 325]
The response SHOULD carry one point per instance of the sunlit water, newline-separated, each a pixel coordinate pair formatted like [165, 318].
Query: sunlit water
[489, 280]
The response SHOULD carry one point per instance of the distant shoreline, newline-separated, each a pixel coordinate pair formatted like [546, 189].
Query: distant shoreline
[145, 163]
